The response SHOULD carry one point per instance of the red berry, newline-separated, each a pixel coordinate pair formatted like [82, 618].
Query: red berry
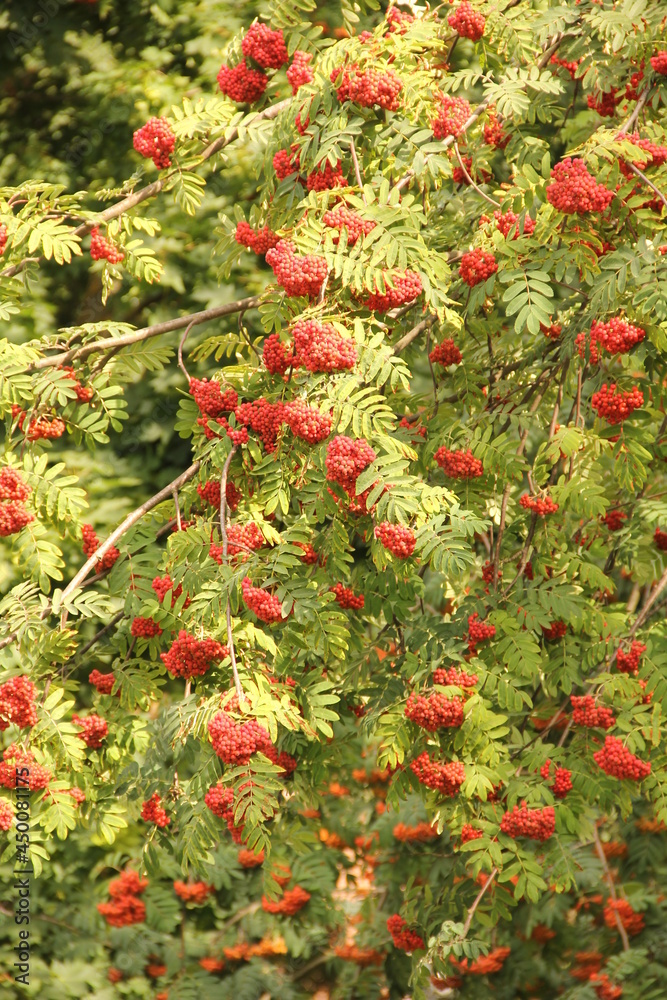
[17, 703]
[156, 140]
[587, 713]
[346, 597]
[398, 539]
[536, 824]
[539, 505]
[478, 265]
[467, 22]
[298, 275]
[453, 113]
[152, 812]
[306, 422]
[614, 405]
[407, 286]
[257, 240]
[320, 348]
[262, 603]
[95, 730]
[300, 71]
[434, 711]
[574, 190]
[617, 761]
[354, 224]
[444, 778]
[13, 518]
[265, 46]
[402, 936]
[190, 657]
[628, 663]
[659, 62]
[446, 353]
[242, 84]
[459, 464]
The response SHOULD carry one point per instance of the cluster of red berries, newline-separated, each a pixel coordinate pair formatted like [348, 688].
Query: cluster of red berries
[459, 464]
[443, 778]
[354, 224]
[220, 800]
[210, 493]
[95, 730]
[628, 663]
[347, 598]
[467, 22]
[145, 628]
[604, 102]
[614, 519]
[102, 682]
[193, 892]
[306, 422]
[6, 815]
[298, 275]
[163, 584]
[14, 758]
[453, 113]
[421, 833]
[573, 189]
[562, 779]
[153, 812]
[488, 572]
[478, 632]
[494, 134]
[571, 67]
[553, 331]
[320, 348]
[615, 405]
[659, 62]
[445, 353]
[3, 238]
[486, 964]
[477, 266]
[242, 84]
[402, 936]
[13, 491]
[407, 286]
[363, 957]
[632, 921]
[326, 177]
[267, 607]
[539, 505]
[587, 713]
[286, 162]
[300, 72]
[12, 486]
[469, 832]
[262, 417]
[346, 459]
[369, 88]
[658, 154]
[615, 337]
[604, 988]
[91, 544]
[241, 537]
[660, 539]
[508, 222]
[537, 824]
[556, 630]
[278, 357]
[454, 677]
[398, 539]
[190, 657]
[257, 240]
[155, 140]
[84, 393]
[125, 908]
[39, 427]
[434, 711]
[248, 859]
[617, 761]
[17, 703]
[310, 556]
[265, 46]
[291, 902]
[103, 249]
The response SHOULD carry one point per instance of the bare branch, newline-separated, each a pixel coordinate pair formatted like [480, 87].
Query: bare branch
[650, 184]
[467, 176]
[612, 889]
[181, 345]
[412, 334]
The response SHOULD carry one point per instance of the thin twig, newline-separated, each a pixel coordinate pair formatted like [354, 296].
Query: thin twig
[479, 191]
[635, 114]
[98, 635]
[645, 179]
[612, 889]
[181, 345]
[223, 533]
[357, 171]
[412, 334]
[178, 510]
[476, 902]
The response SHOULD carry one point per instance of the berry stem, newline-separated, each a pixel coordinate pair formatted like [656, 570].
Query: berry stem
[467, 176]
[181, 345]
[357, 171]
[476, 902]
[645, 179]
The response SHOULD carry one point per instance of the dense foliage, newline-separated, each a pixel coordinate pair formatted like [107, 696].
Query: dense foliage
[333, 595]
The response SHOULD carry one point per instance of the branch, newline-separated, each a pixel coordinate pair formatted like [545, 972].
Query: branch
[635, 114]
[610, 881]
[412, 334]
[357, 171]
[181, 365]
[223, 532]
[476, 902]
[645, 179]
[479, 191]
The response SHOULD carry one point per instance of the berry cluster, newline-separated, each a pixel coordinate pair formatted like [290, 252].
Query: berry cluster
[6, 815]
[445, 353]
[298, 275]
[263, 418]
[248, 859]
[220, 801]
[657, 154]
[632, 921]
[539, 505]
[617, 761]
[659, 62]
[242, 84]
[210, 397]
[84, 393]
[155, 140]
[556, 630]
[486, 964]
[325, 177]
[320, 348]
[434, 711]
[257, 240]
[553, 332]
[494, 134]
[660, 539]
[265, 46]
[13, 517]
[45, 428]
[443, 778]
[562, 779]
[604, 988]
[300, 72]
[190, 657]
[310, 556]
[346, 597]
[614, 519]
[267, 607]
[398, 539]
[453, 113]
[469, 832]
[478, 265]
[459, 464]
[421, 833]
[346, 460]
[152, 812]
[281, 759]
[363, 957]
[354, 224]
[398, 21]
[573, 189]
[615, 337]
[95, 730]
[103, 682]
[241, 538]
[277, 357]
[628, 663]
[537, 824]
[286, 162]
[478, 631]
[306, 422]
[291, 902]
[467, 22]
[102, 249]
[508, 222]
[3, 238]
[193, 892]
[12, 486]
[587, 713]
[17, 703]
[145, 628]
[604, 102]
[407, 286]
[369, 88]
[614, 405]
[91, 544]
[14, 758]
[163, 584]
[571, 67]
[125, 909]
[402, 936]
[453, 677]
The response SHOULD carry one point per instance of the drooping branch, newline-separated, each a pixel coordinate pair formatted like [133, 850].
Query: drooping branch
[612, 888]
